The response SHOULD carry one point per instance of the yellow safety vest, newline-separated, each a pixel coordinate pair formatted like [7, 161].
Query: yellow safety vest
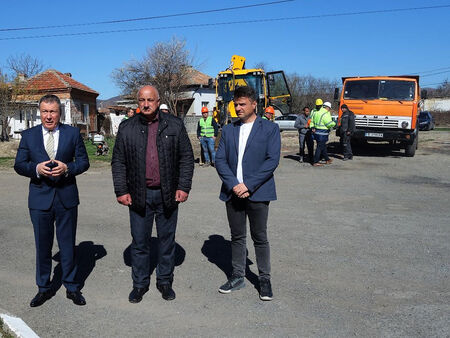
[206, 127]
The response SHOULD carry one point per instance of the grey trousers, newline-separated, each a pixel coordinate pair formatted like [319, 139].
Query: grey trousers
[306, 138]
[257, 212]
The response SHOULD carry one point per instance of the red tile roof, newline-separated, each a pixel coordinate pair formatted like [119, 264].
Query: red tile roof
[53, 80]
[196, 77]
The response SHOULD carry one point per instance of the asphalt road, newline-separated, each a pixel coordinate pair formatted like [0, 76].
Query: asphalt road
[359, 248]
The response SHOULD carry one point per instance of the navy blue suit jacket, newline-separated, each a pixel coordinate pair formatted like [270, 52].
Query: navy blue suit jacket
[261, 158]
[71, 151]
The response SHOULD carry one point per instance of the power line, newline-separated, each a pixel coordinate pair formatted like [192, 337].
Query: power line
[432, 74]
[432, 84]
[432, 70]
[146, 18]
[227, 23]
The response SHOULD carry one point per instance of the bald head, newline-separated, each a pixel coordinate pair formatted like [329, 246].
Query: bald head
[148, 100]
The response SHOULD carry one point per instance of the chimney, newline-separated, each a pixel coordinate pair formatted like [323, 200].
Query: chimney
[22, 77]
[68, 74]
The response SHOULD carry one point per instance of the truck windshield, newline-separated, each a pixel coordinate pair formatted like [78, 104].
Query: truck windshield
[397, 90]
[226, 88]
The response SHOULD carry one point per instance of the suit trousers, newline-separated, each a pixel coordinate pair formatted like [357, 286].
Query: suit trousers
[237, 211]
[44, 224]
[141, 232]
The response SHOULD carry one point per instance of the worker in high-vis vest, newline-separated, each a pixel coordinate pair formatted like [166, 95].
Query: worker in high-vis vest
[207, 130]
[319, 104]
[321, 124]
[269, 113]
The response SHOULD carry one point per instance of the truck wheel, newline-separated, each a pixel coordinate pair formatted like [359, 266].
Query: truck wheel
[410, 149]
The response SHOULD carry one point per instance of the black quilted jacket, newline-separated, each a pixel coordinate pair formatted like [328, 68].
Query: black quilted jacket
[176, 160]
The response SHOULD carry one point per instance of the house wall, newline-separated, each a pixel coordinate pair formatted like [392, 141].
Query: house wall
[201, 95]
[437, 104]
[83, 111]
[115, 121]
[71, 106]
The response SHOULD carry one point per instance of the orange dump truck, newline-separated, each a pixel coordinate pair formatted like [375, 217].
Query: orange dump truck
[385, 107]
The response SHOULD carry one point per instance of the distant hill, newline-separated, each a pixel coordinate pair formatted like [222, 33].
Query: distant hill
[109, 102]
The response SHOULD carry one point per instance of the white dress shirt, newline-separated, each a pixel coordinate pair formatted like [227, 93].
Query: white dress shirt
[244, 132]
[45, 134]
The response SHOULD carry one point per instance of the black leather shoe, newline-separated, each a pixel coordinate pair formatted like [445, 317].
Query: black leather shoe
[76, 297]
[41, 298]
[136, 294]
[166, 291]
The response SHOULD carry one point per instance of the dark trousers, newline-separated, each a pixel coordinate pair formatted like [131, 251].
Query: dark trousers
[44, 224]
[257, 212]
[306, 138]
[321, 150]
[346, 145]
[141, 232]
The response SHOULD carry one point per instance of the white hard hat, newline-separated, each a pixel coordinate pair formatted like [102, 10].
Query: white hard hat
[163, 106]
[327, 104]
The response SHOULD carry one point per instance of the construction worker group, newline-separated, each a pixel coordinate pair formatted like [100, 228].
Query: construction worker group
[314, 125]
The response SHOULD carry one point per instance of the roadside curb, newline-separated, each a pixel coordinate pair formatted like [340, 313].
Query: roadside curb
[16, 326]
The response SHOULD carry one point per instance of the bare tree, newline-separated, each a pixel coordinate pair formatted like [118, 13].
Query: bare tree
[443, 90]
[166, 66]
[24, 64]
[10, 91]
[306, 89]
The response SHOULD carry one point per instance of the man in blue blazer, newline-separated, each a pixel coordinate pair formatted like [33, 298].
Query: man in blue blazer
[248, 154]
[51, 155]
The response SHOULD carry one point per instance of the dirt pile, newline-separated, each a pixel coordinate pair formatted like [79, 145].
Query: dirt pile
[9, 149]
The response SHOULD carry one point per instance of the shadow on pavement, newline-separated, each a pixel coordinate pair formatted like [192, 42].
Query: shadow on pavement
[180, 254]
[218, 251]
[362, 149]
[87, 253]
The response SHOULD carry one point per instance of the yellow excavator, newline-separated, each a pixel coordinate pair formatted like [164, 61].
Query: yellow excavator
[271, 89]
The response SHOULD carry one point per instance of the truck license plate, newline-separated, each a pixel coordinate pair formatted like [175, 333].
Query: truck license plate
[373, 134]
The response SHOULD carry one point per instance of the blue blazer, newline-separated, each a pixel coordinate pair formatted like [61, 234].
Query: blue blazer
[71, 151]
[261, 158]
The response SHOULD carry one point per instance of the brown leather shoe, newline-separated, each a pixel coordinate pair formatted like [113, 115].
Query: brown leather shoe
[329, 161]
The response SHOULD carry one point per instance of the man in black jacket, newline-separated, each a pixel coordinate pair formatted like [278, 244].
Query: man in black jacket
[152, 168]
[346, 131]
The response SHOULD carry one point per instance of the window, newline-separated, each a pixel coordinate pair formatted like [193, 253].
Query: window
[204, 104]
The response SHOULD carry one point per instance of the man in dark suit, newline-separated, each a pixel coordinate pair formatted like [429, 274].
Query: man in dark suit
[152, 168]
[51, 155]
[248, 154]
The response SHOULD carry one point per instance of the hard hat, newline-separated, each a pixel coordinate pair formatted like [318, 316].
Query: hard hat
[319, 102]
[270, 110]
[205, 109]
[327, 104]
[163, 106]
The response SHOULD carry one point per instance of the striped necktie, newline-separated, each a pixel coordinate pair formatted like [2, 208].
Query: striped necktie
[50, 146]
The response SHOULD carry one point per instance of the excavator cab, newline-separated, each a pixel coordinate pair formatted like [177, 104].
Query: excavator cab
[270, 88]
[278, 92]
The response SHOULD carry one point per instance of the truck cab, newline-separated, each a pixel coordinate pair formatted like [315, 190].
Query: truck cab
[385, 108]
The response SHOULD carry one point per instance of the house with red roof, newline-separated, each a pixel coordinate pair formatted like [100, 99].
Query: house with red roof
[78, 102]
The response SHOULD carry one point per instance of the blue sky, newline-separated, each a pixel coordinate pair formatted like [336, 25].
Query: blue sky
[393, 43]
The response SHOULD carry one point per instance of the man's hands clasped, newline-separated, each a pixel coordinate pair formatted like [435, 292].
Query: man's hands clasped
[180, 196]
[241, 190]
[44, 170]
